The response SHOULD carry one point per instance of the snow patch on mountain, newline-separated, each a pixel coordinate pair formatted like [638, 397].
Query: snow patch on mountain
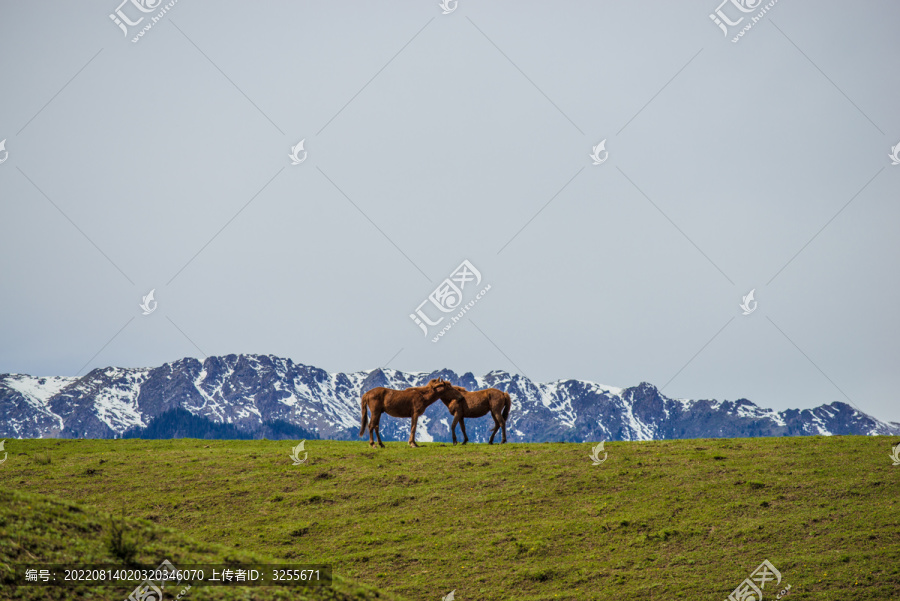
[116, 404]
[37, 391]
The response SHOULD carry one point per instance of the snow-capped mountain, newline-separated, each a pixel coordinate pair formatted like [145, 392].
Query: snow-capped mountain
[249, 391]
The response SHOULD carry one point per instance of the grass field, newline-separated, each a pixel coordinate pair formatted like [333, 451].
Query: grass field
[684, 519]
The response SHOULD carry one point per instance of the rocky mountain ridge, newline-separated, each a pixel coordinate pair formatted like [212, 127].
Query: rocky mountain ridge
[249, 391]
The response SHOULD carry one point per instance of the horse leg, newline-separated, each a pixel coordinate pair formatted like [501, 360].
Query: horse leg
[462, 425]
[453, 428]
[503, 425]
[412, 430]
[378, 430]
[496, 427]
[373, 423]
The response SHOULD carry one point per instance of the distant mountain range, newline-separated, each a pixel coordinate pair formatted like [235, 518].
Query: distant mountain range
[256, 396]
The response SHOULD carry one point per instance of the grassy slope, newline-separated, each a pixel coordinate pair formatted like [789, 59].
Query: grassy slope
[658, 520]
[42, 529]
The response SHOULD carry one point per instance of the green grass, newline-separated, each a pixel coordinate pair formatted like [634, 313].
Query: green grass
[39, 529]
[658, 520]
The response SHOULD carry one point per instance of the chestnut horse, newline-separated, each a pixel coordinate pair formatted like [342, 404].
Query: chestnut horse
[411, 402]
[476, 404]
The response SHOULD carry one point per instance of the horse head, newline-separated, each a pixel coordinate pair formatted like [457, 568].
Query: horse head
[448, 392]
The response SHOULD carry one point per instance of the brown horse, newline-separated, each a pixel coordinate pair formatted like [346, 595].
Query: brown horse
[411, 402]
[476, 404]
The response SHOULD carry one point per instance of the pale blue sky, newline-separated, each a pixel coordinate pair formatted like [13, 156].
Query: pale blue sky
[435, 138]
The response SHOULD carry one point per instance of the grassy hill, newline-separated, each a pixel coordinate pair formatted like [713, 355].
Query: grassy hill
[45, 529]
[684, 519]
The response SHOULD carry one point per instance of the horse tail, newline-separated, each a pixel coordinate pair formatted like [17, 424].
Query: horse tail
[365, 415]
[506, 405]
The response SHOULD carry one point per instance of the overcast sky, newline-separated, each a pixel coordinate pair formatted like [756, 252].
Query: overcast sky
[431, 139]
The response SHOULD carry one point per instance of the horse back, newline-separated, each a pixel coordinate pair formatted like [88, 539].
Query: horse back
[375, 395]
[400, 403]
